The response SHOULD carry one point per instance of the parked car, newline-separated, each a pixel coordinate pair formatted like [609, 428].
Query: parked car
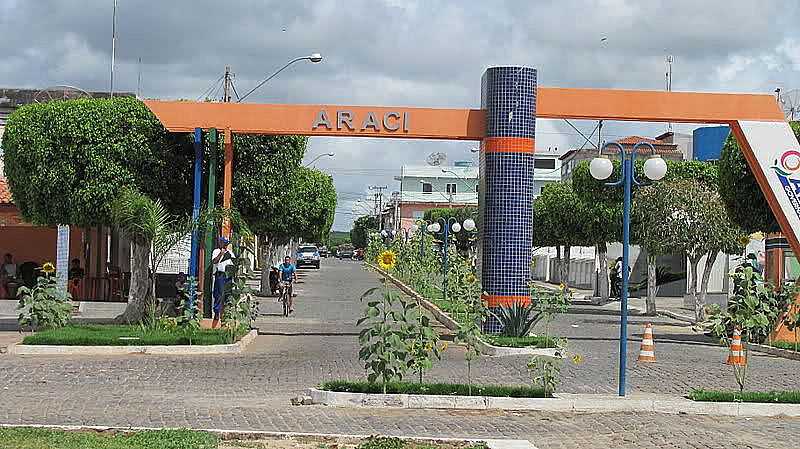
[323, 252]
[308, 255]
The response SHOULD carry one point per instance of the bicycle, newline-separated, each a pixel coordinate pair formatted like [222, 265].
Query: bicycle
[285, 296]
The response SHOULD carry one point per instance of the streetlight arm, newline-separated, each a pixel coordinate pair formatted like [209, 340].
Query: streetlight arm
[272, 76]
[633, 159]
[317, 158]
[621, 180]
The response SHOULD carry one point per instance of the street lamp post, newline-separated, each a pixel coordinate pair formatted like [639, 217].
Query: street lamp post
[445, 225]
[601, 168]
[421, 228]
[314, 57]
[318, 158]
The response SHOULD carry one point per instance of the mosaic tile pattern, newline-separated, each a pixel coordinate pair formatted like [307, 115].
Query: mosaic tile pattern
[506, 185]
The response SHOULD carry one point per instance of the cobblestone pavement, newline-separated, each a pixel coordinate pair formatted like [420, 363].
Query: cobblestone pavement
[252, 391]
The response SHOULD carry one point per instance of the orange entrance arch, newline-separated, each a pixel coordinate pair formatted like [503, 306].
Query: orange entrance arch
[755, 119]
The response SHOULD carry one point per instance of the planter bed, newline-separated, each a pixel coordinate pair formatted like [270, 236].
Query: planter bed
[768, 397]
[132, 344]
[538, 342]
[438, 389]
[125, 335]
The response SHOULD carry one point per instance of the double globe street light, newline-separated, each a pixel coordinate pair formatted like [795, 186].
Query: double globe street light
[601, 169]
[446, 225]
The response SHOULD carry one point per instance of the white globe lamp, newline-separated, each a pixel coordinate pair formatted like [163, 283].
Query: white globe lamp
[469, 224]
[601, 168]
[456, 227]
[655, 168]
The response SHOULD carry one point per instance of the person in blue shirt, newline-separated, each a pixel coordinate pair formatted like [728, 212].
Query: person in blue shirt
[288, 273]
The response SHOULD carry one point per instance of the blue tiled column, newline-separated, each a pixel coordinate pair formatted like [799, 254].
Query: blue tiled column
[508, 94]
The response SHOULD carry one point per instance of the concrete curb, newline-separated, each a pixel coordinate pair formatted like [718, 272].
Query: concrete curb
[450, 323]
[676, 316]
[778, 352]
[576, 403]
[234, 348]
[261, 434]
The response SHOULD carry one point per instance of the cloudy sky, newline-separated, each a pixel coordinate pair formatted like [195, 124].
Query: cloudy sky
[402, 53]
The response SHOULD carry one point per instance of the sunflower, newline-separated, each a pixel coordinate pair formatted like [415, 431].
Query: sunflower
[387, 259]
[577, 359]
[471, 278]
[48, 268]
[744, 240]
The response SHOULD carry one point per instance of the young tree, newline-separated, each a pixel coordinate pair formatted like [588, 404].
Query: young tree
[560, 221]
[603, 208]
[263, 173]
[687, 217]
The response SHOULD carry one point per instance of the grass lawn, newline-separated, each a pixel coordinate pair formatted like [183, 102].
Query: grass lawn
[440, 389]
[30, 438]
[785, 345]
[775, 397]
[123, 335]
[533, 341]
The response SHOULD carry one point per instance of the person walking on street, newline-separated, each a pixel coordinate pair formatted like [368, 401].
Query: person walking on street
[221, 258]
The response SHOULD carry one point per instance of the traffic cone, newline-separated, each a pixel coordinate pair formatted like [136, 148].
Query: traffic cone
[647, 352]
[736, 356]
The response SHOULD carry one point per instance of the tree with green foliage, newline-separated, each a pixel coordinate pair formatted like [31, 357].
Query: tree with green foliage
[263, 174]
[560, 221]
[311, 204]
[603, 208]
[67, 161]
[740, 191]
[359, 235]
[687, 217]
[604, 204]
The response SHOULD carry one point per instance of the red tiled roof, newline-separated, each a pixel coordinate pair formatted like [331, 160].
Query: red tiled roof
[633, 140]
[5, 193]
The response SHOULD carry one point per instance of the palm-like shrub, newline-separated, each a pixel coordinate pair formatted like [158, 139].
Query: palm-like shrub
[517, 319]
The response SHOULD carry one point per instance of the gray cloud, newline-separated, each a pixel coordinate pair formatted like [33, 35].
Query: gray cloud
[395, 52]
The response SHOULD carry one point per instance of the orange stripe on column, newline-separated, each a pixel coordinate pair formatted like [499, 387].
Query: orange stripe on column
[502, 300]
[227, 182]
[508, 145]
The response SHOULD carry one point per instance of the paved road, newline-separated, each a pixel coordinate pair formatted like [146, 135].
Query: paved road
[252, 391]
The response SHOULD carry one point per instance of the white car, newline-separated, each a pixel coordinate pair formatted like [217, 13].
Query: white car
[307, 255]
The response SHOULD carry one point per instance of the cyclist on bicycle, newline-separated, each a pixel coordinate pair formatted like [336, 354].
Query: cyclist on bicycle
[288, 275]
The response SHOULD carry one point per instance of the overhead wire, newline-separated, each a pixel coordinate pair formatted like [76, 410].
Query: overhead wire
[211, 88]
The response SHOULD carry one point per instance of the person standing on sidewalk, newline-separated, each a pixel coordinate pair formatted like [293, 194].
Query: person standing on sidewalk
[222, 257]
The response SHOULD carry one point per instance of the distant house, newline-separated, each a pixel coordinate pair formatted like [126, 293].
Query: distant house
[429, 187]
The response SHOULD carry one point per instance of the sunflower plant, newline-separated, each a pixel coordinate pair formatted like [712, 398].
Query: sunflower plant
[46, 305]
[388, 324]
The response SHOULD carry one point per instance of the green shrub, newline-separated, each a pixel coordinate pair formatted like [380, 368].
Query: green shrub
[777, 397]
[46, 305]
[30, 438]
[382, 443]
[517, 319]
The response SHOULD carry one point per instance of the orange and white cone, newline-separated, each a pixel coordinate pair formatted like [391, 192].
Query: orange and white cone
[736, 357]
[647, 352]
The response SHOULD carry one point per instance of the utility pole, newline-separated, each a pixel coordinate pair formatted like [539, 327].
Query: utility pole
[226, 86]
[113, 45]
[669, 82]
[379, 198]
